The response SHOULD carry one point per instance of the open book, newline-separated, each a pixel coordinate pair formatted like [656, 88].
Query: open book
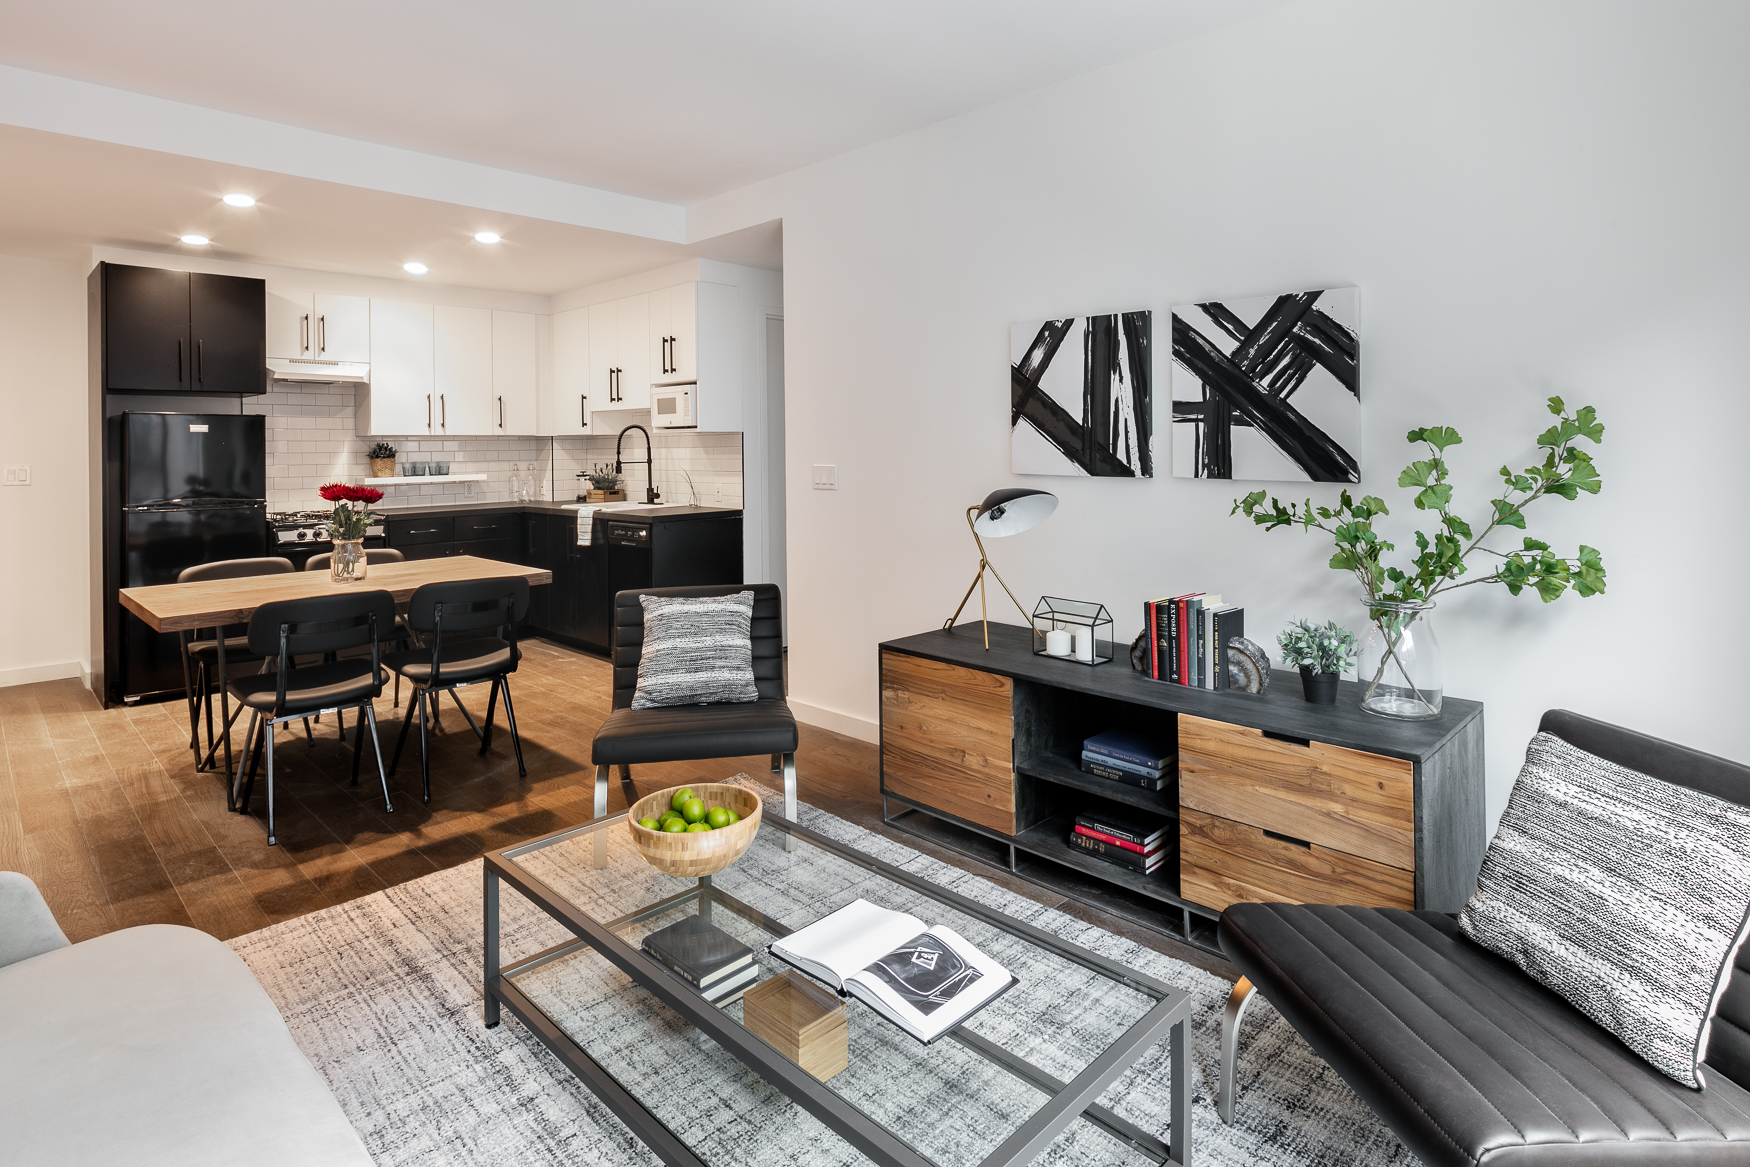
[925, 980]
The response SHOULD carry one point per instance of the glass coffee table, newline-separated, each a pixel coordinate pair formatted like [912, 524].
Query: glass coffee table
[701, 1090]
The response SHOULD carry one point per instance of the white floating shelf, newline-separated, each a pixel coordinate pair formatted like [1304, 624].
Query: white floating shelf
[420, 479]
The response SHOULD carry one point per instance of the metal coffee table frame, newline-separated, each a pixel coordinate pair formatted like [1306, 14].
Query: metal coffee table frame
[1067, 1100]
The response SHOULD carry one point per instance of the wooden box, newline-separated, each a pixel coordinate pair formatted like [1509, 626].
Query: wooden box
[800, 1020]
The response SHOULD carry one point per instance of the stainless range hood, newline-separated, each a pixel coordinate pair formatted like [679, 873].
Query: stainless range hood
[304, 371]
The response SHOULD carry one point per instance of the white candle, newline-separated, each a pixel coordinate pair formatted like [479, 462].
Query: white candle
[1057, 642]
[1085, 644]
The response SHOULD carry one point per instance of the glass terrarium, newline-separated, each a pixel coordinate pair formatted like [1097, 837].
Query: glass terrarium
[1076, 630]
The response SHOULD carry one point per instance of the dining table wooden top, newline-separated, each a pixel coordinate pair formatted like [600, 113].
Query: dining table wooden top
[182, 607]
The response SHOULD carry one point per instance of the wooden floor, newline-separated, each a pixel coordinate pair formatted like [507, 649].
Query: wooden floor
[105, 810]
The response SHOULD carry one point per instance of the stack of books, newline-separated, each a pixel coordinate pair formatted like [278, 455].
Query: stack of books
[1188, 637]
[1134, 759]
[715, 963]
[1137, 842]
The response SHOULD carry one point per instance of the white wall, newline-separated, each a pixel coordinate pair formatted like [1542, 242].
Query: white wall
[1534, 198]
[43, 569]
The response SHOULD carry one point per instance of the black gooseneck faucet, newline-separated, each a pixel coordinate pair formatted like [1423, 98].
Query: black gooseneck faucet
[651, 495]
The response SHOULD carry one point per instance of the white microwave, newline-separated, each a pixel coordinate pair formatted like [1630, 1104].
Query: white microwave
[674, 407]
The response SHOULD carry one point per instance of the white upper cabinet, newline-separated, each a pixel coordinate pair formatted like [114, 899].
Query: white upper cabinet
[516, 372]
[462, 370]
[289, 317]
[673, 335]
[604, 344]
[565, 409]
[399, 399]
[315, 326]
[633, 370]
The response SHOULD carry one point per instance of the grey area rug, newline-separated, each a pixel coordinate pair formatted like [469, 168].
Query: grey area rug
[383, 995]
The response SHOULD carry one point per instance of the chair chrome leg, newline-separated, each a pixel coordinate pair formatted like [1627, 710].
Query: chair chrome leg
[1242, 995]
[601, 812]
[358, 745]
[777, 762]
[271, 841]
[516, 740]
[371, 716]
[789, 761]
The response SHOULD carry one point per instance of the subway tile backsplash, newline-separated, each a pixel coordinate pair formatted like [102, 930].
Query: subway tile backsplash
[310, 441]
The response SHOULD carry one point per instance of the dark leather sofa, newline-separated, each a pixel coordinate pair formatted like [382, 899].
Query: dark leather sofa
[1467, 1059]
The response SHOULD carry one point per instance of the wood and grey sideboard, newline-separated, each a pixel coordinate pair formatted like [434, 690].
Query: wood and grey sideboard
[1275, 799]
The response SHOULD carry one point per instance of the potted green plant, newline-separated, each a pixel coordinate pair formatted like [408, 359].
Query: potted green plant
[604, 485]
[1400, 673]
[382, 458]
[1322, 653]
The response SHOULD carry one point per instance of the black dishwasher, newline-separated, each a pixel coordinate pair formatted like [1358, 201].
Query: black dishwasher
[671, 547]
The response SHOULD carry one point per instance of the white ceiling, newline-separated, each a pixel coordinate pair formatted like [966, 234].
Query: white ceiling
[672, 100]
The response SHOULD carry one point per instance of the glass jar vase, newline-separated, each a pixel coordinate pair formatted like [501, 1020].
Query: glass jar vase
[348, 563]
[1399, 668]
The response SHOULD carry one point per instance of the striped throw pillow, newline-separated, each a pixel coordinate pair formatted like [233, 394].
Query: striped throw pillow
[698, 650]
[1627, 895]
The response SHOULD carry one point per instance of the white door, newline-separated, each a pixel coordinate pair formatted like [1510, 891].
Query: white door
[683, 335]
[633, 358]
[462, 369]
[604, 343]
[568, 403]
[289, 324]
[341, 330]
[516, 371]
[400, 398]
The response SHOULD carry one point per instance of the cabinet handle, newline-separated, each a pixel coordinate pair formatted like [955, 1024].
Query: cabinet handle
[304, 333]
[422, 531]
[428, 411]
[200, 361]
[1283, 737]
[443, 412]
[1289, 839]
[583, 411]
[321, 334]
[501, 411]
[179, 360]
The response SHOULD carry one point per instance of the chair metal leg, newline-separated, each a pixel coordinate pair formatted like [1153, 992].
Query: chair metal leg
[377, 746]
[340, 721]
[358, 745]
[254, 765]
[234, 782]
[194, 707]
[777, 762]
[625, 773]
[469, 717]
[789, 797]
[397, 690]
[406, 724]
[1242, 995]
[491, 707]
[601, 812]
[516, 740]
[310, 736]
[426, 699]
[271, 841]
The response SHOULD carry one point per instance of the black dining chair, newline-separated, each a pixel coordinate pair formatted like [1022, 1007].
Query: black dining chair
[688, 733]
[286, 629]
[206, 659]
[444, 614]
[373, 555]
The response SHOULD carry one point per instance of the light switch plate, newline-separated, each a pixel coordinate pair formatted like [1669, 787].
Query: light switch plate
[826, 477]
[18, 476]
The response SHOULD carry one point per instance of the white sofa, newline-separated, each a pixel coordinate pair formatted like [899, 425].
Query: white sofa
[152, 1045]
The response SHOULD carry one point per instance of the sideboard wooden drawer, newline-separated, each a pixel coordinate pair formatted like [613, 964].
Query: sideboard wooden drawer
[947, 739]
[1357, 803]
[1224, 862]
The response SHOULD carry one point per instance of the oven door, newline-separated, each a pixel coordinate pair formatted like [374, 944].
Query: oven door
[671, 407]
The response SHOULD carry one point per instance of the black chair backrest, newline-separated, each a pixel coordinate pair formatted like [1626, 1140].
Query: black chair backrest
[235, 569]
[469, 605]
[1729, 1046]
[321, 624]
[321, 561]
[767, 630]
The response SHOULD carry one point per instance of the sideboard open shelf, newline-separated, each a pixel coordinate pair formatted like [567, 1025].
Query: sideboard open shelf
[1276, 798]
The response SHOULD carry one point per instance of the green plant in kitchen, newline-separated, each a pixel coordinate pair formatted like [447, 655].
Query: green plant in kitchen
[1317, 648]
[603, 478]
[382, 450]
[1397, 595]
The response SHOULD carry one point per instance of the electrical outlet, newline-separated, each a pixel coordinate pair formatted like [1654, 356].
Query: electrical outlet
[826, 477]
[719, 492]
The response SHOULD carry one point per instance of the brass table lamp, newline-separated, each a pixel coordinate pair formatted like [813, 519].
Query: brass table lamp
[1003, 512]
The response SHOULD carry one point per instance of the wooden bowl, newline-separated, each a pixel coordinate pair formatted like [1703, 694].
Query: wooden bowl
[695, 853]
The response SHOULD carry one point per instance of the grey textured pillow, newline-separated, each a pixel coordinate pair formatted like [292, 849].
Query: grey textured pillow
[1627, 895]
[698, 650]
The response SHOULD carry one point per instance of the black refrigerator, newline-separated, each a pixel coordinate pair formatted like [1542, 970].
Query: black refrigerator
[194, 490]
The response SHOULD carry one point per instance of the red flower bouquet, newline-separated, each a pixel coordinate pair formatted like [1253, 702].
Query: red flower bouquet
[352, 513]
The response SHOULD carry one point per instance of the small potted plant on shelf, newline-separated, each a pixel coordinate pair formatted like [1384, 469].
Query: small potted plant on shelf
[347, 525]
[604, 485]
[382, 457]
[1322, 653]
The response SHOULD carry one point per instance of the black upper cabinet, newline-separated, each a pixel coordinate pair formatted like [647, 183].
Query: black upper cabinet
[177, 332]
[145, 329]
[228, 327]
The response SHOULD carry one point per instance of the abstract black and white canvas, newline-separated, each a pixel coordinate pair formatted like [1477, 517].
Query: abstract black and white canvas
[1080, 396]
[1269, 388]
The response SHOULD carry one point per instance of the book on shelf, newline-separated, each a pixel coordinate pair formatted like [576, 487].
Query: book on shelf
[1105, 768]
[924, 980]
[1118, 856]
[1133, 827]
[705, 957]
[1136, 848]
[1226, 623]
[1129, 748]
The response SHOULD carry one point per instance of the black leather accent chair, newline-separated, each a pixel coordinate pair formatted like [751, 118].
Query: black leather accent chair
[688, 733]
[319, 626]
[1467, 1059]
[456, 609]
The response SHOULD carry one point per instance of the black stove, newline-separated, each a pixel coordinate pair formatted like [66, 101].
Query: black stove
[297, 535]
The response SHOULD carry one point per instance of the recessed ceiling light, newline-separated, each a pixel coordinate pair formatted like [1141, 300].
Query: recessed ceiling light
[415, 267]
[196, 240]
[239, 199]
[486, 237]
